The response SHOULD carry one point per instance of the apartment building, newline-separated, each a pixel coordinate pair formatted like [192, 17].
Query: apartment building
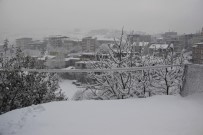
[139, 38]
[56, 41]
[23, 42]
[89, 44]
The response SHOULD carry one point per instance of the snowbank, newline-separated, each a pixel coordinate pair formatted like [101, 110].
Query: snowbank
[158, 115]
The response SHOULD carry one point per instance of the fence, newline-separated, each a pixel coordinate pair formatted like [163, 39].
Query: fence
[97, 70]
[193, 74]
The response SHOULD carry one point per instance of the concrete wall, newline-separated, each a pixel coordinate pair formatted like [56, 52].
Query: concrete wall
[193, 81]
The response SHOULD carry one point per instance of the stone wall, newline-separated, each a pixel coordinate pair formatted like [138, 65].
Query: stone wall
[193, 81]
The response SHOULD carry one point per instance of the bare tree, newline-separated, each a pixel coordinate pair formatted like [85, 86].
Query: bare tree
[115, 84]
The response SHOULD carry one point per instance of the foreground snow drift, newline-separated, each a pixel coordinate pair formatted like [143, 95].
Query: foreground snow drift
[158, 115]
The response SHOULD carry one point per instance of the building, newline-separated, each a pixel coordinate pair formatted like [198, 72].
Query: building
[56, 41]
[138, 38]
[140, 47]
[89, 44]
[173, 38]
[85, 64]
[36, 45]
[159, 49]
[55, 61]
[35, 48]
[88, 56]
[185, 41]
[55, 45]
[71, 61]
[198, 38]
[170, 35]
[188, 40]
[23, 42]
[197, 53]
[102, 41]
[72, 45]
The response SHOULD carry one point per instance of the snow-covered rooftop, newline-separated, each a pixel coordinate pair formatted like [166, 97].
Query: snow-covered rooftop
[106, 39]
[74, 54]
[71, 58]
[72, 39]
[87, 62]
[159, 46]
[46, 56]
[57, 36]
[88, 53]
[201, 43]
[140, 43]
[70, 67]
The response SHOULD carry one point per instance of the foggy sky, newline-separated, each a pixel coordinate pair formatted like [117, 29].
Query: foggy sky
[151, 16]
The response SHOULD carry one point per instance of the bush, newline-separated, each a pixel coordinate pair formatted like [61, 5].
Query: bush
[20, 89]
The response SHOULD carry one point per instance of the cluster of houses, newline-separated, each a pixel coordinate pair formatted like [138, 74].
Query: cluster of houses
[62, 51]
[65, 52]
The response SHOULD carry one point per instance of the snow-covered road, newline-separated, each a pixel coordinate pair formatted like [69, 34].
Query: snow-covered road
[68, 88]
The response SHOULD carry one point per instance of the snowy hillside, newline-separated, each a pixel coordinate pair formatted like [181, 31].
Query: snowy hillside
[157, 115]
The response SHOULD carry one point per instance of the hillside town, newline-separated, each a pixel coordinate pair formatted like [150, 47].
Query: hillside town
[101, 67]
[65, 52]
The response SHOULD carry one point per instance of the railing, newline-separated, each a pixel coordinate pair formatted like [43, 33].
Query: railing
[96, 70]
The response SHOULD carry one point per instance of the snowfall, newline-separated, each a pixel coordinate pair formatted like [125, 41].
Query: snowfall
[157, 115]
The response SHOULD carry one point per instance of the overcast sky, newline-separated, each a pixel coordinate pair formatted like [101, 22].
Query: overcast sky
[151, 16]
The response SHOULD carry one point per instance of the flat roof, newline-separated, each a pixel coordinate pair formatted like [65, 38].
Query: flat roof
[159, 46]
[86, 62]
[201, 43]
[67, 59]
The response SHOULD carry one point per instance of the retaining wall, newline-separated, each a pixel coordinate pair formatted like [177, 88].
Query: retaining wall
[193, 81]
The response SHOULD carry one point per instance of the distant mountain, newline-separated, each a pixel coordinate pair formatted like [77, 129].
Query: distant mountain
[106, 33]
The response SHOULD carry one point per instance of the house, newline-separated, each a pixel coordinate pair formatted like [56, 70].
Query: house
[197, 53]
[71, 61]
[140, 47]
[159, 49]
[53, 61]
[88, 56]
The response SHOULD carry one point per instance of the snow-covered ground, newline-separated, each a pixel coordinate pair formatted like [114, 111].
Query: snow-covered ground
[68, 88]
[157, 115]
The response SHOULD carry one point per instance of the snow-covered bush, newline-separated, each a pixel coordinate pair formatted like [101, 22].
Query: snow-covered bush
[20, 89]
